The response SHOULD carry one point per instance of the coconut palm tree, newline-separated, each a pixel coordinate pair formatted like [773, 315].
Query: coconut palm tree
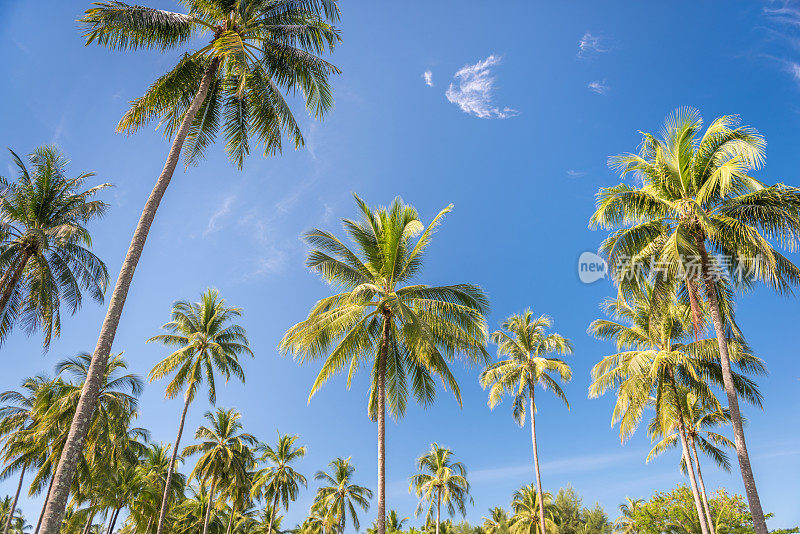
[405, 331]
[697, 198]
[225, 453]
[279, 482]
[527, 503]
[45, 256]
[626, 523]
[699, 415]
[255, 49]
[339, 497]
[440, 480]
[497, 522]
[154, 466]
[206, 341]
[655, 361]
[528, 349]
[11, 515]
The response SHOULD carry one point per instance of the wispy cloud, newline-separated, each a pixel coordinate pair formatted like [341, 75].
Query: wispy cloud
[575, 174]
[428, 77]
[573, 464]
[599, 87]
[590, 45]
[215, 221]
[473, 88]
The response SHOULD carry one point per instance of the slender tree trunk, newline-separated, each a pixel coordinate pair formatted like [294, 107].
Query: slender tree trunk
[382, 424]
[230, 521]
[438, 509]
[536, 458]
[210, 505]
[14, 504]
[273, 512]
[113, 521]
[703, 494]
[44, 506]
[171, 469]
[54, 512]
[87, 528]
[759, 522]
[701, 515]
[149, 524]
[10, 280]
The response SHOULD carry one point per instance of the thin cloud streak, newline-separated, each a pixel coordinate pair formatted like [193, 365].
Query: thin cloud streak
[599, 87]
[428, 77]
[473, 88]
[573, 464]
[589, 45]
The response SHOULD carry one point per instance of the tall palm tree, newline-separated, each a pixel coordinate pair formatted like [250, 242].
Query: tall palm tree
[655, 361]
[440, 480]
[206, 341]
[696, 197]
[527, 503]
[699, 415]
[529, 350]
[225, 453]
[279, 482]
[626, 523]
[255, 49]
[45, 255]
[408, 331]
[339, 496]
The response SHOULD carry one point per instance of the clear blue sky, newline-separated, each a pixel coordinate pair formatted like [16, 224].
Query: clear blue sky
[521, 170]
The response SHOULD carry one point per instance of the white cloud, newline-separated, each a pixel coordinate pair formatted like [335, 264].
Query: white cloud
[599, 87]
[575, 174]
[590, 44]
[215, 221]
[473, 88]
[592, 462]
[794, 69]
[428, 76]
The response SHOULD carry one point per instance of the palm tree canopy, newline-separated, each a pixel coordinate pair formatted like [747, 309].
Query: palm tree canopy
[43, 216]
[279, 481]
[225, 450]
[256, 49]
[440, 480]
[525, 504]
[205, 341]
[526, 350]
[428, 326]
[338, 498]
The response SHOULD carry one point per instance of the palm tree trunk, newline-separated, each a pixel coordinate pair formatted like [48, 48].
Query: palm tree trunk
[210, 505]
[703, 494]
[149, 524]
[90, 516]
[382, 424]
[44, 506]
[14, 504]
[701, 515]
[274, 512]
[230, 521]
[54, 512]
[536, 458]
[759, 522]
[438, 509]
[171, 469]
[113, 522]
[10, 280]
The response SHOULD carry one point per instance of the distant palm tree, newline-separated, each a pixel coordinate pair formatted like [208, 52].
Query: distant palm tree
[527, 504]
[340, 496]
[694, 195]
[626, 523]
[440, 480]
[206, 341]
[394, 523]
[10, 515]
[225, 453]
[44, 244]
[528, 349]
[407, 331]
[279, 482]
[229, 84]
[497, 522]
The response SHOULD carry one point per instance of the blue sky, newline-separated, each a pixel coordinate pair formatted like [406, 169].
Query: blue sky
[523, 103]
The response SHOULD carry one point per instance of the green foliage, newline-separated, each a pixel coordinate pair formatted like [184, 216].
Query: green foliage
[440, 481]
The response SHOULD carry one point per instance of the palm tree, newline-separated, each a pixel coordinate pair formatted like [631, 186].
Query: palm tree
[626, 523]
[11, 515]
[44, 252]
[206, 341]
[527, 504]
[225, 453]
[528, 346]
[497, 522]
[279, 482]
[256, 49]
[440, 480]
[657, 362]
[154, 467]
[340, 496]
[698, 415]
[696, 197]
[408, 331]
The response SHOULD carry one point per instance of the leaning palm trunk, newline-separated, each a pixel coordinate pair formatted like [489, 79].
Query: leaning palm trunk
[274, 512]
[54, 511]
[701, 515]
[14, 504]
[703, 494]
[382, 425]
[759, 521]
[536, 460]
[171, 468]
[44, 506]
[210, 504]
